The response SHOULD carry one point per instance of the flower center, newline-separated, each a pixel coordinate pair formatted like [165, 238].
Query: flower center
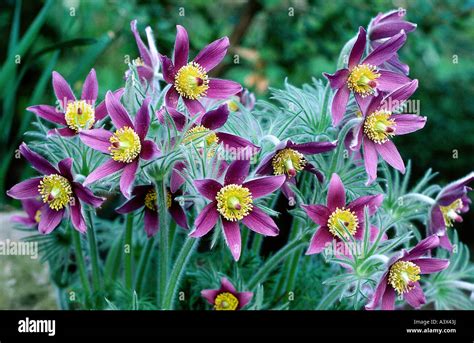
[289, 162]
[234, 202]
[451, 212]
[233, 104]
[38, 216]
[403, 275]
[200, 133]
[341, 222]
[125, 145]
[55, 190]
[362, 79]
[226, 302]
[378, 126]
[138, 62]
[191, 81]
[151, 197]
[80, 115]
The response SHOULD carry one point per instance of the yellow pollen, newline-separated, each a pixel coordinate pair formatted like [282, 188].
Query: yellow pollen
[451, 212]
[378, 126]
[234, 202]
[341, 218]
[138, 62]
[125, 145]
[169, 199]
[197, 133]
[150, 199]
[55, 190]
[403, 275]
[362, 79]
[226, 302]
[79, 115]
[289, 162]
[191, 81]
[233, 104]
[38, 216]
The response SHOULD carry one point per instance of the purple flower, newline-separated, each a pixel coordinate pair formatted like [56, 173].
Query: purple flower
[379, 125]
[289, 159]
[365, 78]
[451, 201]
[226, 298]
[190, 80]
[32, 209]
[145, 196]
[126, 146]
[403, 274]
[337, 219]
[57, 189]
[234, 202]
[148, 65]
[75, 115]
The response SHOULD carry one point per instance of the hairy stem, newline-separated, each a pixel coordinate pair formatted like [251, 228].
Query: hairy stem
[96, 279]
[128, 252]
[164, 240]
[143, 264]
[81, 264]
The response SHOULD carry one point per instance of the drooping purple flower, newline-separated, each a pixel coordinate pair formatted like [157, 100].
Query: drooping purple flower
[451, 201]
[189, 80]
[338, 219]
[226, 298]
[403, 275]
[126, 146]
[148, 65]
[145, 196]
[364, 78]
[380, 124]
[289, 159]
[32, 209]
[233, 202]
[75, 115]
[57, 189]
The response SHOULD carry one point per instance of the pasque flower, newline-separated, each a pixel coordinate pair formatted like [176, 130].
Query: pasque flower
[234, 202]
[190, 80]
[75, 115]
[32, 209]
[148, 64]
[289, 159]
[126, 146]
[226, 298]
[57, 189]
[145, 196]
[403, 275]
[338, 219]
[451, 201]
[364, 78]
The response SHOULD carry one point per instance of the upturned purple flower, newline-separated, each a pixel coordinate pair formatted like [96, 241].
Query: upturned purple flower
[289, 159]
[339, 219]
[403, 275]
[32, 209]
[145, 196]
[148, 65]
[126, 146]
[226, 298]
[365, 78]
[190, 80]
[75, 115]
[379, 125]
[451, 201]
[57, 189]
[234, 202]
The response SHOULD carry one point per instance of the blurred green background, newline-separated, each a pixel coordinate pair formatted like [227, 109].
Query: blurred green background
[273, 39]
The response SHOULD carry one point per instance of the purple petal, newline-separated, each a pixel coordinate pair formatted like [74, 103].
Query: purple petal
[144, 52]
[227, 286]
[407, 123]
[312, 148]
[142, 119]
[260, 222]
[431, 265]
[145, 73]
[208, 188]
[168, 75]
[177, 180]
[194, 106]
[37, 161]
[312, 169]
[390, 28]
[244, 298]
[232, 237]
[222, 89]
[336, 193]
[370, 159]
[104, 171]
[265, 167]
[390, 80]
[373, 202]
[90, 89]
[62, 90]
[216, 118]
[242, 148]
[25, 189]
[437, 224]
[149, 150]
[178, 118]
[63, 132]
[49, 113]
[378, 293]
[50, 219]
[86, 195]
[388, 299]
[181, 47]
[386, 50]
[264, 185]
[31, 206]
[237, 172]
[128, 177]
[151, 221]
[65, 168]
[319, 241]
[339, 104]
[397, 98]
[363, 102]
[117, 112]
[423, 247]
[97, 139]
[358, 49]
[25, 221]
[390, 154]
[338, 79]
[101, 109]
[415, 297]
[286, 189]
[445, 243]
[318, 213]
[77, 218]
[210, 295]
[178, 215]
[133, 204]
[373, 105]
[206, 220]
[212, 54]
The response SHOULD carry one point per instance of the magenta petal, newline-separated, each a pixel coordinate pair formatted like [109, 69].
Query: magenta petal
[149, 150]
[63, 132]
[77, 218]
[142, 119]
[194, 106]
[97, 139]
[390, 80]
[390, 154]
[25, 221]
[117, 112]
[237, 172]
[358, 49]
[181, 47]
[378, 293]
[31, 206]
[37, 161]
[389, 28]
[370, 159]
[178, 118]
[264, 185]
[227, 286]
[62, 90]
[318, 213]
[445, 243]
[336, 193]
[338, 79]
[260, 222]
[168, 74]
[423, 247]
[50, 219]
[86, 195]
[240, 147]
[208, 188]
[431, 265]
[101, 109]
[144, 52]
[244, 298]
[49, 113]
[386, 50]
[172, 97]
[212, 54]
[415, 297]
[151, 222]
[131, 205]
[232, 237]
[178, 215]
[210, 295]
[222, 89]
[90, 89]
[388, 299]
[407, 123]
[128, 177]
[395, 99]
[176, 180]
[320, 240]
[312, 148]
[216, 118]
[25, 189]
[145, 73]
[339, 104]
[65, 168]
[206, 220]
[104, 171]
[437, 224]
[363, 102]
[373, 202]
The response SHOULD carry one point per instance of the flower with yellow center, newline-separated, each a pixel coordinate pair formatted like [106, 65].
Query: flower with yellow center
[191, 81]
[288, 162]
[451, 212]
[403, 275]
[198, 133]
[37, 216]
[79, 115]
[151, 197]
[226, 302]
[55, 190]
[125, 145]
[341, 218]
[378, 126]
[234, 202]
[362, 79]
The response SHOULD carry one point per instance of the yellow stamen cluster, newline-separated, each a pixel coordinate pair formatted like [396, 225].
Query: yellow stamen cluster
[451, 212]
[341, 218]
[226, 302]
[169, 199]
[233, 104]
[362, 79]
[55, 190]
[125, 145]
[199, 133]
[138, 62]
[79, 115]
[288, 162]
[378, 126]
[150, 199]
[38, 216]
[234, 202]
[191, 81]
[403, 275]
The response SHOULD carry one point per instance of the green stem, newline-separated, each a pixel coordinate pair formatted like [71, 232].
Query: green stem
[143, 264]
[94, 254]
[128, 251]
[164, 240]
[172, 235]
[81, 264]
